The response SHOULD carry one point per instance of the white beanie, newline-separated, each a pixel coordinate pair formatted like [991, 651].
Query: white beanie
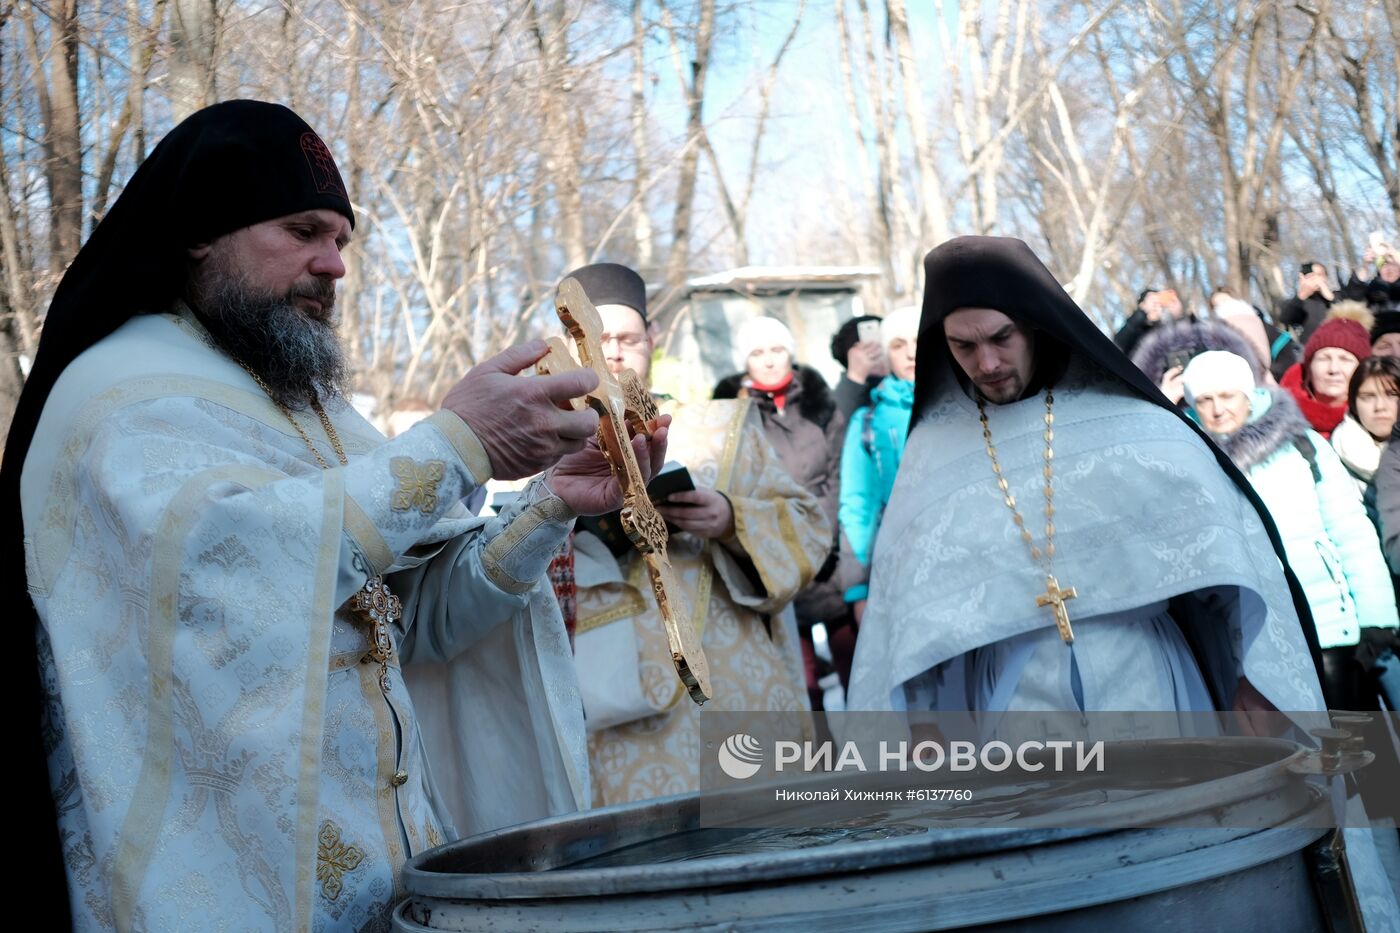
[761, 333]
[900, 324]
[1216, 371]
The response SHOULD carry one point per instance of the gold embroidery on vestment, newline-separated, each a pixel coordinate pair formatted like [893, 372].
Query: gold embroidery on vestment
[498, 550]
[707, 557]
[630, 605]
[788, 532]
[334, 858]
[366, 533]
[314, 702]
[418, 484]
[385, 713]
[141, 828]
[465, 442]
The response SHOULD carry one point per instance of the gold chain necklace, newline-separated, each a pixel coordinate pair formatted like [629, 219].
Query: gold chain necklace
[1053, 595]
[374, 600]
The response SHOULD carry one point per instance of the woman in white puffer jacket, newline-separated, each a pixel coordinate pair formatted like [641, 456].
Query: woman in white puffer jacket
[1330, 543]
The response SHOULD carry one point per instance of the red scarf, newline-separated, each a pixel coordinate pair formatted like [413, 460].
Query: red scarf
[1323, 417]
[777, 392]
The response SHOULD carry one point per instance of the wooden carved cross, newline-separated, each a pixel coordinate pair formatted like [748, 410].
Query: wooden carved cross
[625, 408]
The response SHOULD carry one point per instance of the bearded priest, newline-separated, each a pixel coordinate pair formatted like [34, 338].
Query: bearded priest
[227, 564]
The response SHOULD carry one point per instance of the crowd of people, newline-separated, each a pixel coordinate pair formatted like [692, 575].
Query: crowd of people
[1313, 386]
[275, 654]
[1305, 405]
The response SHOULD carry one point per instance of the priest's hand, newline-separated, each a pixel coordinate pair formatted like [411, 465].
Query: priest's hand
[585, 481]
[519, 419]
[702, 512]
[1250, 709]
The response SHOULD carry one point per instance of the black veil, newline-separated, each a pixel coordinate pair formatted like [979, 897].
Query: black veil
[226, 167]
[1002, 273]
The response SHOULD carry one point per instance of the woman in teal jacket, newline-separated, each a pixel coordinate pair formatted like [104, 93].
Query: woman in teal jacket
[1330, 542]
[870, 456]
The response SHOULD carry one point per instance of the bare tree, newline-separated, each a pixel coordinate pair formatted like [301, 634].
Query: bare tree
[550, 27]
[142, 38]
[642, 232]
[897, 229]
[1243, 89]
[1370, 73]
[736, 209]
[195, 33]
[933, 217]
[490, 147]
[18, 321]
[682, 218]
[56, 87]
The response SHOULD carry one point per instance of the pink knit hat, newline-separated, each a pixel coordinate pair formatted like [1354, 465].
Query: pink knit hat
[1241, 316]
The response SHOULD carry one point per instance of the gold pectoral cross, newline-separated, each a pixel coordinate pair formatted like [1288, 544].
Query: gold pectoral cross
[1056, 597]
[382, 608]
[624, 405]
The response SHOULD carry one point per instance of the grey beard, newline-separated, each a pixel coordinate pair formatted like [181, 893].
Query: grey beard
[299, 358]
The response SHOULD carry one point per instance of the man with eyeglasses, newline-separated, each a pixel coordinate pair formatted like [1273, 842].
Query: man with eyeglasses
[744, 542]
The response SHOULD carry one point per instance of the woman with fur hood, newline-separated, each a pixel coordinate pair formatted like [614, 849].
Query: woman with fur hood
[1163, 355]
[1330, 543]
[801, 421]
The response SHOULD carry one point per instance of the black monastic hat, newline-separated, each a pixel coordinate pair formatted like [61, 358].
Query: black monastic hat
[1004, 274]
[610, 283]
[226, 167]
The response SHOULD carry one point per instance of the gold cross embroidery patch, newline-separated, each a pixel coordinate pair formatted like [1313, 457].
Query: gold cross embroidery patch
[418, 484]
[334, 858]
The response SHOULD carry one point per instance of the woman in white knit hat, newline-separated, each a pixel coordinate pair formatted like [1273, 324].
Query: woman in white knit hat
[1329, 541]
[765, 349]
[800, 419]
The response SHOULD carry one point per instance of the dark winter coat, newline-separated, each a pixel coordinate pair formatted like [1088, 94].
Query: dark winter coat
[807, 436]
[1388, 499]
[1284, 351]
[1134, 330]
[1379, 294]
[1305, 313]
[851, 395]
